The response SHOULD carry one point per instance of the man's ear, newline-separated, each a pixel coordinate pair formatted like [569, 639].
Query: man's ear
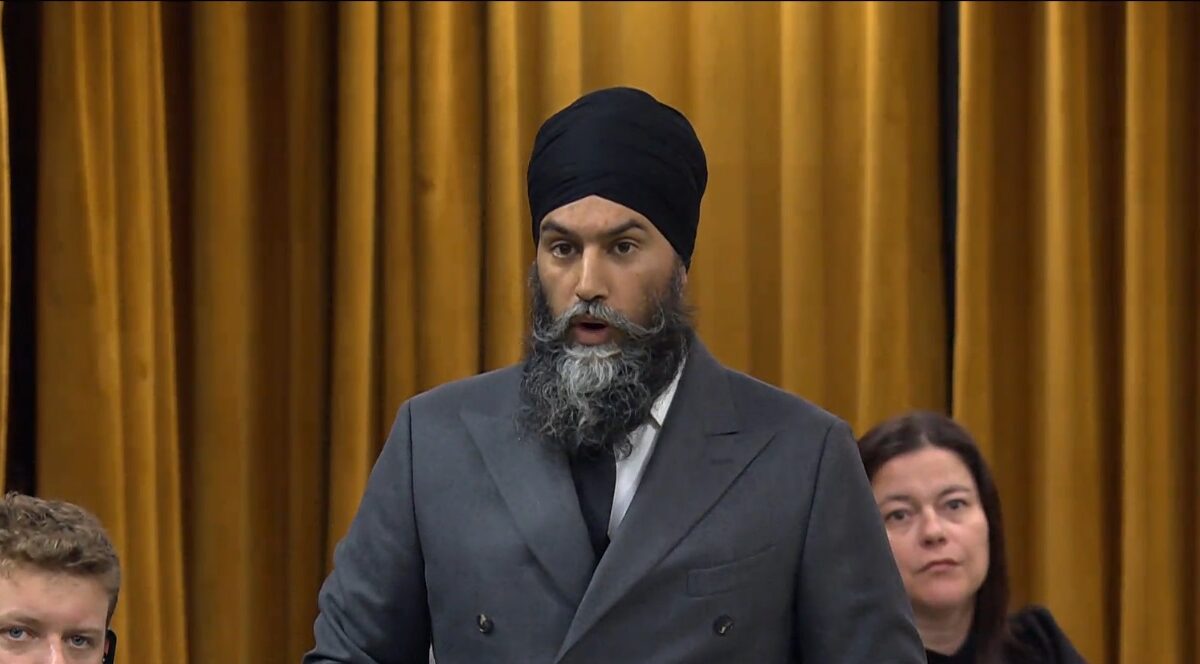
[110, 647]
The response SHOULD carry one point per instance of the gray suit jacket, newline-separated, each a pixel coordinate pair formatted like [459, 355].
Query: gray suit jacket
[753, 537]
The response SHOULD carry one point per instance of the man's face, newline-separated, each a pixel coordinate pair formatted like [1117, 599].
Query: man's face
[51, 618]
[596, 250]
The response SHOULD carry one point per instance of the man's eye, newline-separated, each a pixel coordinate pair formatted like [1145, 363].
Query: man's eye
[78, 641]
[16, 633]
[624, 247]
[561, 249]
[895, 516]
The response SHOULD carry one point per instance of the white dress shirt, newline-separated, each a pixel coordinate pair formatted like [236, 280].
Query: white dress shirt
[631, 468]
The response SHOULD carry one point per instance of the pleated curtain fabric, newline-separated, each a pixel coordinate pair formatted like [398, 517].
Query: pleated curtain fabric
[262, 226]
[1075, 360]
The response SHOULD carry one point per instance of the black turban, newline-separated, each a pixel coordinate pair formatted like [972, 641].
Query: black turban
[624, 145]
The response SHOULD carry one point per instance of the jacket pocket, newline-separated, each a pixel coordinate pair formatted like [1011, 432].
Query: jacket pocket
[726, 576]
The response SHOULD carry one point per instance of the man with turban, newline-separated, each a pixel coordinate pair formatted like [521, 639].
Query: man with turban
[618, 496]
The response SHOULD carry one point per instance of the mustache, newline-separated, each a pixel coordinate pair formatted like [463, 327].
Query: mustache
[554, 330]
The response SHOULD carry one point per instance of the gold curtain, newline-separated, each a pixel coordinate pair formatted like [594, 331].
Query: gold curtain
[263, 226]
[247, 260]
[861, 306]
[107, 421]
[1076, 350]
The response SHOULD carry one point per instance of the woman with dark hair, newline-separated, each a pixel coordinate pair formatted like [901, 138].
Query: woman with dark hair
[942, 514]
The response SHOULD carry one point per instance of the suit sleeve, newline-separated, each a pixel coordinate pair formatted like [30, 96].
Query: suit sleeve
[372, 607]
[851, 603]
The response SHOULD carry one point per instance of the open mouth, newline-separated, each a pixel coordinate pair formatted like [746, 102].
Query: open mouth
[590, 324]
[590, 331]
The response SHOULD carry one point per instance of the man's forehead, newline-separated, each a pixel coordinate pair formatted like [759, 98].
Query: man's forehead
[595, 215]
[53, 599]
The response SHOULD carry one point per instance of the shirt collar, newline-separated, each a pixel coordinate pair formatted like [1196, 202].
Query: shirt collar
[658, 412]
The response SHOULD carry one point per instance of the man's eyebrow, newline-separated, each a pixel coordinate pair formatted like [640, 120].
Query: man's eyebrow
[95, 634]
[632, 224]
[18, 617]
[553, 226]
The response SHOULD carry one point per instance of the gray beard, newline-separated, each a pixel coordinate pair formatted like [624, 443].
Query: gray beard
[586, 400]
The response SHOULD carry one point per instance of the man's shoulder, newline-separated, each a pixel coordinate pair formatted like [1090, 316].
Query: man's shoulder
[764, 404]
[491, 387]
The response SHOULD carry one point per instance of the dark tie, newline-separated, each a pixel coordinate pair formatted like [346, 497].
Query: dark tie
[595, 478]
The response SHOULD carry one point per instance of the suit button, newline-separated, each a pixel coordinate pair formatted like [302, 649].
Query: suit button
[484, 623]
[722, 625]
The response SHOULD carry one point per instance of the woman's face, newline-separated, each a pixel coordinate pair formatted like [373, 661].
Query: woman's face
[936, 525]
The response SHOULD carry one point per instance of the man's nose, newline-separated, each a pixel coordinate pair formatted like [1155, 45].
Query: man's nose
[57, 653]
[592, 283]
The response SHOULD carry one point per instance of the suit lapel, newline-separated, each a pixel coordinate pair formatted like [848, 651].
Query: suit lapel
[535, 481]
[699, 453]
